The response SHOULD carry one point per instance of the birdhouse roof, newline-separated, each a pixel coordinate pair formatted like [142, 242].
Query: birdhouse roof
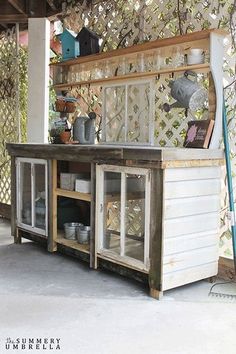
[92, 34]
[67, 31]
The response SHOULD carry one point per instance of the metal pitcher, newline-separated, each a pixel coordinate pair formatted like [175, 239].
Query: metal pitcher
[188, 93]
[84, 129]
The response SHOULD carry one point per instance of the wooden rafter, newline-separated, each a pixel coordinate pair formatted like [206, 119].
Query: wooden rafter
[18, 11]
[19, 5]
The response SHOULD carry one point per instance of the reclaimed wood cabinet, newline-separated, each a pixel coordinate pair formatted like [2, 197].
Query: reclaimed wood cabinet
[154, 213]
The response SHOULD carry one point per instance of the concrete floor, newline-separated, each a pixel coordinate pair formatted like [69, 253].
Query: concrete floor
[92, 312]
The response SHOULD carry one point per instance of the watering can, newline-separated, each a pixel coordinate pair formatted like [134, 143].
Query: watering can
[84, 129]
[188, 93]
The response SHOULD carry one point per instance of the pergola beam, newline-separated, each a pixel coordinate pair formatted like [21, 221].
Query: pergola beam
[19, 5]
[13, 18]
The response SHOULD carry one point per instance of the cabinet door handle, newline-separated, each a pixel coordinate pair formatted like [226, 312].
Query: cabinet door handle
[101, 208]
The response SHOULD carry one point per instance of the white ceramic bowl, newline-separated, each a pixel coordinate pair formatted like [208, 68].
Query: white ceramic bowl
[195, 59]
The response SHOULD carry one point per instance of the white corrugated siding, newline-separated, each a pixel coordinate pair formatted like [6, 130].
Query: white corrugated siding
[191, 224]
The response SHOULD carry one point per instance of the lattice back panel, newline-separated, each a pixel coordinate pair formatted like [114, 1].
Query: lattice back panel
[122, 23]
[8, 107]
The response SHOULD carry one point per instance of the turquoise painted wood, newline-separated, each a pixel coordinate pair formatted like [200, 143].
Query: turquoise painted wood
[70, 45]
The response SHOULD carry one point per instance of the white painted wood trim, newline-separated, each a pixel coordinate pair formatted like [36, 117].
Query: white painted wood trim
[99, 233]
[19, 186]
[152, 112]
[38, 79]
[46, 197]
[216, 64]
[126, 84]
[123, 214]
[33, 195]
[126, 112]
[18, 193]
[147, 220]
[104, 116]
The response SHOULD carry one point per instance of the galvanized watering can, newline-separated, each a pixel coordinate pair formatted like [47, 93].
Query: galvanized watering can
[84, 129]
[188, 93]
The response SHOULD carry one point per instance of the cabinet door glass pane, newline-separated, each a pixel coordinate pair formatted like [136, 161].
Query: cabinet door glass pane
[25, 193]
[138, 113]
[112, 204]
[115, 114]
[40, 196]
[135, 216]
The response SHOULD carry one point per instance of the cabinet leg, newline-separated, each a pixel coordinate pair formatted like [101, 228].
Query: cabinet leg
[17, 237]
[52, 247]
[156, 294]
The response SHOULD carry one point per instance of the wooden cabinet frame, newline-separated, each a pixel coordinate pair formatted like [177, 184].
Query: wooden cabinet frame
[100, 251]
[19, 182]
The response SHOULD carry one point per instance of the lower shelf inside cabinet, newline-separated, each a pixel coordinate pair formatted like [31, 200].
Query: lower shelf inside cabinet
[72, 244]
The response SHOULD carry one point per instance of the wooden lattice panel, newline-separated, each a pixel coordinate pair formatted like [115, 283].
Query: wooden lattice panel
[8, 107]
[122, 23]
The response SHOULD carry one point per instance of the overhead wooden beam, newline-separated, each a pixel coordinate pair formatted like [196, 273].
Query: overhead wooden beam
[19, 5]
[13, 18]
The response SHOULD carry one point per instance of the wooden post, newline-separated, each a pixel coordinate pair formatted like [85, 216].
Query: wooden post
[211, 98]
[92, 215]
[14, 231]
[156, 234]
[38, 73]
[52, 207]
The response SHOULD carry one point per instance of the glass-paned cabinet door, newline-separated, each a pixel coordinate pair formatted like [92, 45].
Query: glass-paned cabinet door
[123, 214]
[32, 195]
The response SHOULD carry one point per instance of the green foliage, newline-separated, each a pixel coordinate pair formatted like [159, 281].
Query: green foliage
[23, 90]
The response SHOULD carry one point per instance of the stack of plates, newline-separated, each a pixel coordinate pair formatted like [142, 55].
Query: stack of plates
[196, 56]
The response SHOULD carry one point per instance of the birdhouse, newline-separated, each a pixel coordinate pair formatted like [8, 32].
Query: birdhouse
[88, 42]
[70, 44]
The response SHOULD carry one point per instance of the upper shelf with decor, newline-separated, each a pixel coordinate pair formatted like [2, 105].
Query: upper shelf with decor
[138, 88]
[143, 60]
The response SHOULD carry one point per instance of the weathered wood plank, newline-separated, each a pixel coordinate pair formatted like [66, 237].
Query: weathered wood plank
[92, 215]
[190, 242]
[175, 208]
[187, 260]
[72, 244]
[17, 237]
[191, 224]
[211, 98]
[183, 189]
[192, 173]
[172, 280]
[169, 157]
[156, 232]
[123, 270]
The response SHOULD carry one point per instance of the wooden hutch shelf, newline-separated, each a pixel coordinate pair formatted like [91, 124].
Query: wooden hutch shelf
[72, 244]
[183, 40]
[73, 194]
[205, 67]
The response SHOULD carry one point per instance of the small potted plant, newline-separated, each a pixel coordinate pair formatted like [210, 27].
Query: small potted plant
[65, 135]
[60, 135]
